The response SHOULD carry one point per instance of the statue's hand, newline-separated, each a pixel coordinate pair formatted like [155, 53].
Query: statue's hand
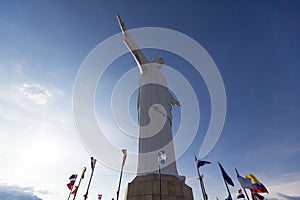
[121, 24]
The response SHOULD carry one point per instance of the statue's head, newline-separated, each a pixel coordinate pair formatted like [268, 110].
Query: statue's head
[159, 60]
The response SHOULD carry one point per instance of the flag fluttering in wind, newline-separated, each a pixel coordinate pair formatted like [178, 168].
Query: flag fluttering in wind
[240, 194]
[99, 196]
[124, 156]
[225, 176]
[257, 187]
[93, 163]
[201, 163]
[75, 190]
[245, 182]
[72, 181]
[258, 196]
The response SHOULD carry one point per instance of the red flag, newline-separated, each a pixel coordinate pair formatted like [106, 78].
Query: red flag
[72, 181]
[70, 185]
[99, 196]
[112, 199]
[75, 190]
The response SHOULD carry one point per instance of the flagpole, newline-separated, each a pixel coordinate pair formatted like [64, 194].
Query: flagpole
[227, 187]
[246, 194]
[82, 176]
[87, 190]
[119, 183]
[71, 189]
[253, 198]
[159, 175]
[205, 197]
[121, 174]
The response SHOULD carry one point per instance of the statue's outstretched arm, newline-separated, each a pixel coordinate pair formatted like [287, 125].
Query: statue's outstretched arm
[138, 55]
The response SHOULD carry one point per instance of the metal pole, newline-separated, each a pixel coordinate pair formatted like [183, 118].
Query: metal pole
[159, 174]
[119, 183]
[246, 193]
[205, 197]
[87, 190]
[227, 187]
[82, 176]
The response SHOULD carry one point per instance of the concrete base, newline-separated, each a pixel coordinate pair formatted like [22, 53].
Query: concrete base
[147, 187]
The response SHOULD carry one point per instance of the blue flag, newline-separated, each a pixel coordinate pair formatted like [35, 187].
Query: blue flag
[200, 163]
[225, 176]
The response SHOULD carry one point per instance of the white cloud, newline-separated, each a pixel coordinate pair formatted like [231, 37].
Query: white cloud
[35, 92]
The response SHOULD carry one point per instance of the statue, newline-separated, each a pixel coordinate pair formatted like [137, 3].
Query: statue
[154, 97]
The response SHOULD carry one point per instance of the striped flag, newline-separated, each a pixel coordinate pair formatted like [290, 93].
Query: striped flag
[124, 156]
[257, 187]
[99, 196]
[72, 181]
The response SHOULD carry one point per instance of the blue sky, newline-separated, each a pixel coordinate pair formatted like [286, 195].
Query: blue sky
[255, 46]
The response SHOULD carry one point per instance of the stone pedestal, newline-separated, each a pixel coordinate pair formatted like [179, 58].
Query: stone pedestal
[147, 187]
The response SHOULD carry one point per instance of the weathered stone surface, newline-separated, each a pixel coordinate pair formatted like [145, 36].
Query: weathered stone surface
[147, 187]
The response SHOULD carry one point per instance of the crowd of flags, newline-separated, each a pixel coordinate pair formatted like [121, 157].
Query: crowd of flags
[72, 179]
[249, 181]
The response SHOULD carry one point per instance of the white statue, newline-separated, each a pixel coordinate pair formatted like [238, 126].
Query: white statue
[155, 101]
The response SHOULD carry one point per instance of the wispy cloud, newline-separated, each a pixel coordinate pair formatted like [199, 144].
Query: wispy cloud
[36, 93]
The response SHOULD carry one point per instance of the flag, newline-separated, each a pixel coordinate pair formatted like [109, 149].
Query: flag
[99, 196]
[83, 171]
[124, 156]
[217, 198]
[75, 190]
[93, 163]
[72, 181]
[225, 176]
[240, 194]
[229, 197]
[257, 187]
[162, 157]
[112, 199]
[245, 182]
[200, 163]
[258, 196]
